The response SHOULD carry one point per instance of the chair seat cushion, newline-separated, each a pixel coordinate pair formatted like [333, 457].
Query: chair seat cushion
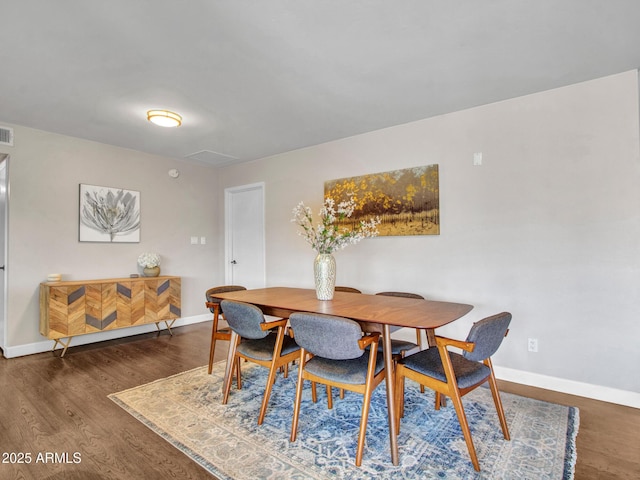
[429, 363]
[352, 371]
[262, 349]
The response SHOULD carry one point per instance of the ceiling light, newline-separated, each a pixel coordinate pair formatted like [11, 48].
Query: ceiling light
[164, 118]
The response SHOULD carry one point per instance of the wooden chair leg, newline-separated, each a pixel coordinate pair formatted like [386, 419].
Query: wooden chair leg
[267, 392]
[238, 374]
[329, 398]
[362, 434]
[496, 400]
[399, 398]
[314, 392]
[212, 351]
[214, 329]
[231, 361]
[464, 425]
[298, 400]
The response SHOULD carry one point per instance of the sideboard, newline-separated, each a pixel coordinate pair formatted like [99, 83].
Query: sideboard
[68, 309]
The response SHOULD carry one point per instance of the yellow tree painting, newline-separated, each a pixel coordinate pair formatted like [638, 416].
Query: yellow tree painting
[406, 201]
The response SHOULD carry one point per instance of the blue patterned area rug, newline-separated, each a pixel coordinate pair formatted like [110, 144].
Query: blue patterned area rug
[186, 410]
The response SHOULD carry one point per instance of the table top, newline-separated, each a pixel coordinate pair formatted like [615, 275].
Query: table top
[398, 311]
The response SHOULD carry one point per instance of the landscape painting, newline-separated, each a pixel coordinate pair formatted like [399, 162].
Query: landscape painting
[406, 201]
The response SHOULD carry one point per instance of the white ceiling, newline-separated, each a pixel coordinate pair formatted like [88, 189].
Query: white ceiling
[253, 78]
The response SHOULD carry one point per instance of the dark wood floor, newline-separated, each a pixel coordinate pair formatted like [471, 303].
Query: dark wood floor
[60, 405]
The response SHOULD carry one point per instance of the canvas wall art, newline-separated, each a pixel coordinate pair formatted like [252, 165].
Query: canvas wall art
[109, 214]
[406, 201]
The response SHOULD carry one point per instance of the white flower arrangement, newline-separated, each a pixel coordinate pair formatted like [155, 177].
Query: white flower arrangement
[149, 260]
[327, 237]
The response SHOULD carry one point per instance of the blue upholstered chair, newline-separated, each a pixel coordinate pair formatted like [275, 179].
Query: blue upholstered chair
[337, 350]
[213, 304]
[257, 341]
[455, 375]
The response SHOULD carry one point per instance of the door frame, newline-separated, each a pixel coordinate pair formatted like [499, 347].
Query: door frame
[228, 201]
[4, 256]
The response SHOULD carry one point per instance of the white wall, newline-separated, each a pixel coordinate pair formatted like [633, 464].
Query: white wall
[548, 228]
[45, 172]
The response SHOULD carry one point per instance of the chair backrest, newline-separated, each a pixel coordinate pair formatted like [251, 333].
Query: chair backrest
[347, 289]
[401, 294]
[487, 334]
[327, 336]
[244, 319]
[211, 293]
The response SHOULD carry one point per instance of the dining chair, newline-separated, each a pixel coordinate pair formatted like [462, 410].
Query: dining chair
[455, 375]
[257, 341]
[213, 304]
[347, 289]
[401, 347]
[332, 352]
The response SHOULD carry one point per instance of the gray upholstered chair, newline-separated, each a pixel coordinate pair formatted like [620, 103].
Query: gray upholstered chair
[213, 304]
[257, 341]
[455, 375]
[401, 347]
[347, 289]
[337, 350]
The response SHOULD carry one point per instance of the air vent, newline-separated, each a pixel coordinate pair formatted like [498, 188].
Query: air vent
[210, 157]
[6, 136]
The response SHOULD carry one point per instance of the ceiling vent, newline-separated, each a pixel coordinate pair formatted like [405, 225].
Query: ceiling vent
[210, 157]
[6, 136]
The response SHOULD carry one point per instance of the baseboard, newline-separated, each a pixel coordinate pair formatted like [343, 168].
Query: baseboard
[595, 392]
[47, 345]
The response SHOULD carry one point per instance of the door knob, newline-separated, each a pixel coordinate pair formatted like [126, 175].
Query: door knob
[233, 262]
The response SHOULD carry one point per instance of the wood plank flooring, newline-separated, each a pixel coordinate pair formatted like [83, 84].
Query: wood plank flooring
[51, 405]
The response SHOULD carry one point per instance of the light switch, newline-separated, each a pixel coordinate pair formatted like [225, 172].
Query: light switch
[477, 158]
[194, 240]
[203, 240]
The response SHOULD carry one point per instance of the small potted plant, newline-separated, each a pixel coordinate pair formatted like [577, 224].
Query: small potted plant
[150, 263]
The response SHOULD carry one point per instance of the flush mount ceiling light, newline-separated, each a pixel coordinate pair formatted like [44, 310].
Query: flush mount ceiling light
[164, 118]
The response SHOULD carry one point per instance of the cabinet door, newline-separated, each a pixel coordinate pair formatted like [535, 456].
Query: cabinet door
[130, 303]
[66, 311]
[101, 307]
[162, 299]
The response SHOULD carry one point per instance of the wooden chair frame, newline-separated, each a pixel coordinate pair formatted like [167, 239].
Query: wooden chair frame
[277, 361]
[366, 389]
[220, 333]
[450, 388]
[216, 333]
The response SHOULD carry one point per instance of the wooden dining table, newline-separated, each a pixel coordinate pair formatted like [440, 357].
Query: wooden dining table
[374, 312]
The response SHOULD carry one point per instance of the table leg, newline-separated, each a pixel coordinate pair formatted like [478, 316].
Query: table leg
[431, 337]
[389, 379]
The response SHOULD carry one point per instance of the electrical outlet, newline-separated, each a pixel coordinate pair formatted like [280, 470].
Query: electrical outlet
[533, 345]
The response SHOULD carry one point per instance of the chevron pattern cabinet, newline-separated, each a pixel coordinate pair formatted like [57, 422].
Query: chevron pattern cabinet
[68, 309]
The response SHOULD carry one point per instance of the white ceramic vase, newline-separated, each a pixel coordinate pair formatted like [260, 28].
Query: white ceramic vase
[324, 271]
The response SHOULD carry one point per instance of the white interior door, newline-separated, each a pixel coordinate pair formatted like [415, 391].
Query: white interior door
[245, 236]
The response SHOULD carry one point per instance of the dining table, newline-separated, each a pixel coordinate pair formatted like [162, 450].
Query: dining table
[375, 313]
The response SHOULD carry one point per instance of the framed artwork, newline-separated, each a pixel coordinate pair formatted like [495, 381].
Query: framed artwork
[109, 215]
[406, 201]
